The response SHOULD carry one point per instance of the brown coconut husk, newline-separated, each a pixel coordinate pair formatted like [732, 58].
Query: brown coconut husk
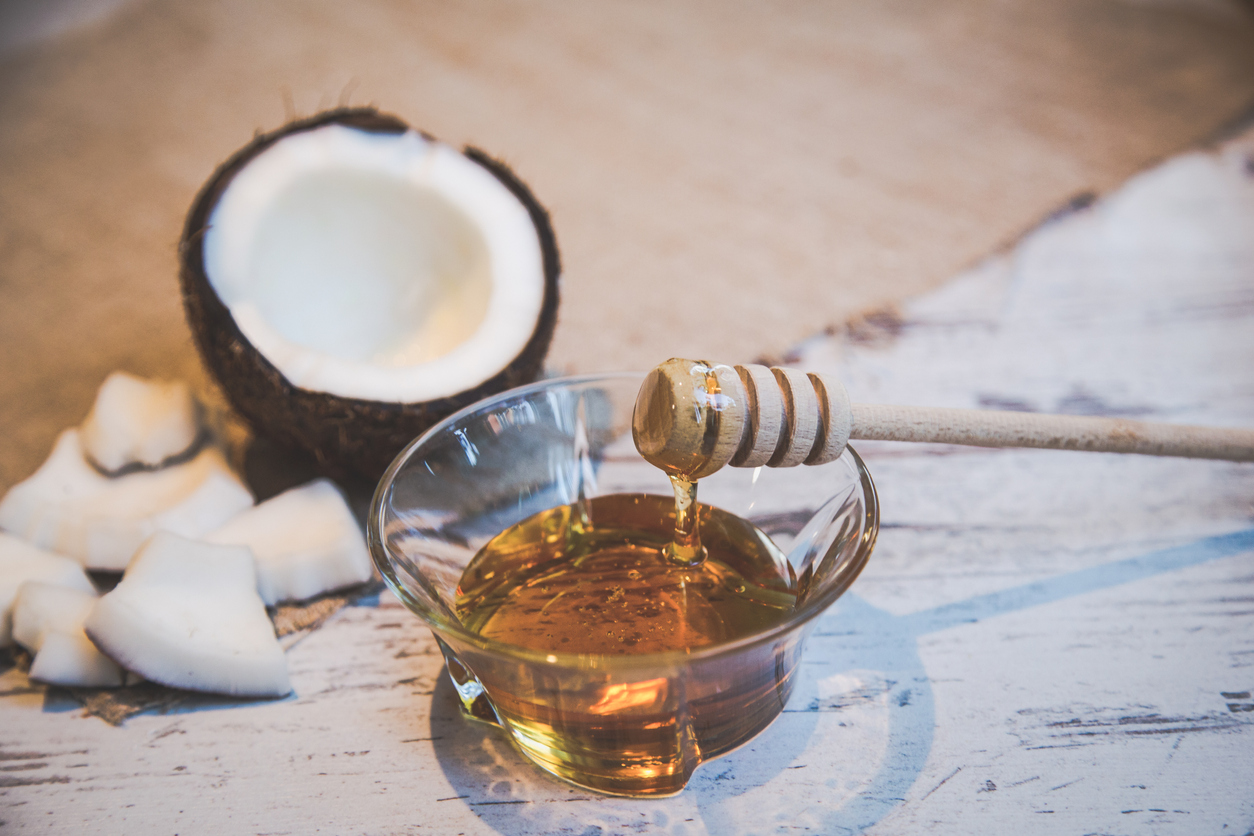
[347, 437]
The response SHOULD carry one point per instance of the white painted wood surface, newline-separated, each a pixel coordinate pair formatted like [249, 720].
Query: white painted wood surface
[1044, 642]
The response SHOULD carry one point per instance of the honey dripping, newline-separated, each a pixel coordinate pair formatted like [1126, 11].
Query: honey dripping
[634, 573]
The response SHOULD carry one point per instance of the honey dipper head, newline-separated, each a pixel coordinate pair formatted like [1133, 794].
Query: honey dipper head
[693, 417]
[690, 417]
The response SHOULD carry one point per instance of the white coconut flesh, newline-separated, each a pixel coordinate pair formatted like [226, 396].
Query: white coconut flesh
[70, 508]
[186, 614]
[305, 540]
[137, 422]
[381, 267]
[21, 562]
[48, 621]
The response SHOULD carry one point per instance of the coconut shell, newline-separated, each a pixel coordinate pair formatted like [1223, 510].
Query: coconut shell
[346, 436]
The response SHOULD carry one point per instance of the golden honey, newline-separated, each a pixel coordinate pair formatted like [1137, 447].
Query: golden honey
[597, 579]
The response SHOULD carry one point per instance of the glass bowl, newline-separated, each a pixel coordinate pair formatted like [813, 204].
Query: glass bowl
[635, 724]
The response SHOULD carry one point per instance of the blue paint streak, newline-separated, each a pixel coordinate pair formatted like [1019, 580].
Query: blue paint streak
[888, 643]
[1079, 583]
[882, 642]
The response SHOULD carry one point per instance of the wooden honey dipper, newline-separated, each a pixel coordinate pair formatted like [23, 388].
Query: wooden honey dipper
[692, 418]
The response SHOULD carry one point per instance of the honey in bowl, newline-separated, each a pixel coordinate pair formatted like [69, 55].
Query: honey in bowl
[596, 579]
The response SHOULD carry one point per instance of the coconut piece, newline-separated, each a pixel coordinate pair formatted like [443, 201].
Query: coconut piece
[71, 659]
[69, 507]
[136, 424]
[186, 614]
[305, 540]
[350, 282]
[48, 621]
[21, 562]
[41, 607]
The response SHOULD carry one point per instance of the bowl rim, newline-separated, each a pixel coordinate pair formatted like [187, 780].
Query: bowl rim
[452, 629]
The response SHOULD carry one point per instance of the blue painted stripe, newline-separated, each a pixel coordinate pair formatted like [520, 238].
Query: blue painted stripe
[1079, 582]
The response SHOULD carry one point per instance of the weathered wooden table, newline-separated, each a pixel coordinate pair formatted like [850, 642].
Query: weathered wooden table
[1045, 642]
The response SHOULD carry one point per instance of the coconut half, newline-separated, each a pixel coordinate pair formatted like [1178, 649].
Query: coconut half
[350, 281]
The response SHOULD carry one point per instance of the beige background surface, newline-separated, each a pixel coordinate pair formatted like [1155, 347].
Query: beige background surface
[725, 179]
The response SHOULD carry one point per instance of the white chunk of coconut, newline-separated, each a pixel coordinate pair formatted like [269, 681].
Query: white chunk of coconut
[305, 540]
[385, 267]
[139, 422]
[48, 621]
[72, 659]
[186, 614]
[21, 562]
[69, 507]
[41, 607]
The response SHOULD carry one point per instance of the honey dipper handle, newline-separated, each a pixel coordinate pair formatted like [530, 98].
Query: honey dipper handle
[983, 428]
[693, 417]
